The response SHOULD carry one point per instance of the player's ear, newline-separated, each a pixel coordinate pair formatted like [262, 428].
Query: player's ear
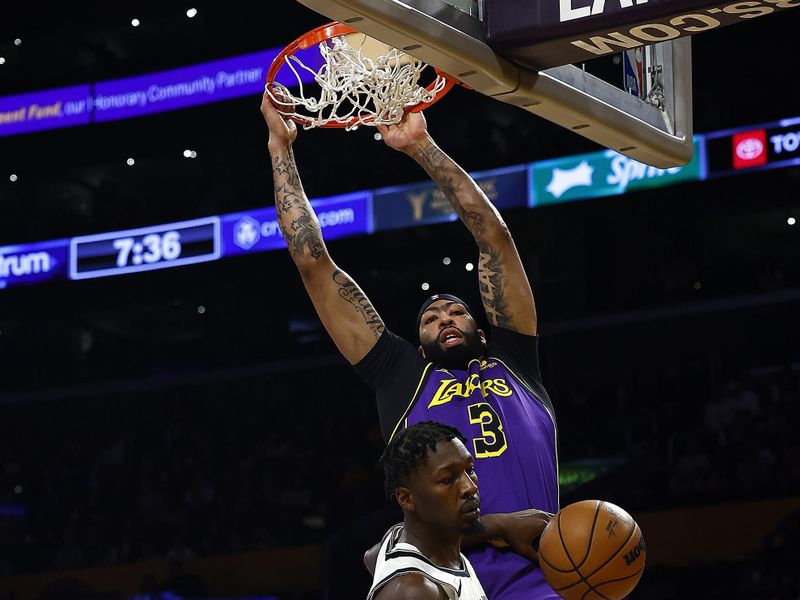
[421, 351]
[405, 498]
[483, 336]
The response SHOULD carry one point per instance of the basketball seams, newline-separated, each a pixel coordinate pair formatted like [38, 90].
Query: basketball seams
[639, 572]
[572, 562]
[591, 535]
[591, 589]
[618, 550]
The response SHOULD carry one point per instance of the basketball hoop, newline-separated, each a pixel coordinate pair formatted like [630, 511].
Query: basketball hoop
[361, 81]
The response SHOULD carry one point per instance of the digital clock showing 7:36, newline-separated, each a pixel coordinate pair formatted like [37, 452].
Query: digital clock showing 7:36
[146, 249]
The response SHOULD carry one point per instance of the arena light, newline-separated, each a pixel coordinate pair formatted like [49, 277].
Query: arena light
[130, 162]
[791, 221]
[469, 266]
[189, 153]
[446, 260]
[426, 286]
[135, 22]
[191, 13]
[2, 60]
[201, 310]
[18, 42]
[13, 177]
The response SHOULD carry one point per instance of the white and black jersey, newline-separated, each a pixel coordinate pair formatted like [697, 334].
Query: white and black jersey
[400, 558]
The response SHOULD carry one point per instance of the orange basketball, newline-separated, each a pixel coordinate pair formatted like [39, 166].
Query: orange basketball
[592, 550]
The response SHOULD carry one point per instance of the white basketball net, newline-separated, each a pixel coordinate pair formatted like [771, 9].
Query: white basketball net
[356, 89]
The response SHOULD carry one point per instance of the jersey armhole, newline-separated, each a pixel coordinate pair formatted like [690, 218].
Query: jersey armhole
[422, 379]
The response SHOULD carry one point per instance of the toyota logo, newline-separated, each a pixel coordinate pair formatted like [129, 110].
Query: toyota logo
[749, 149]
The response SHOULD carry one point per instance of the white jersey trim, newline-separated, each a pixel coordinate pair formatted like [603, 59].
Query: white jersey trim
[396, 559]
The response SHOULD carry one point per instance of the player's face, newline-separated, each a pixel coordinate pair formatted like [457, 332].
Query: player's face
[445, 489]
[449, 336]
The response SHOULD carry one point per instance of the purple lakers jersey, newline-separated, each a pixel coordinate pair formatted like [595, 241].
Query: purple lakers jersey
[507, 418]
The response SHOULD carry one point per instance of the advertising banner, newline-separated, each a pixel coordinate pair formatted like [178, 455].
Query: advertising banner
[50, 109]
[767, 146]
[257, 230]
[425, 203]
[604, 173]
[33, 263]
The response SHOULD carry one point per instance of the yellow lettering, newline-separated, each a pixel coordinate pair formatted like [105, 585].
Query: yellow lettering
[450, 388]
[42, 112]
[14, 116]
[473, 383]
[665, 32]
[710, 22]
[748, 10]
[417, 202]
[500, 387]
[784, 3]
[602, 45]
[445, 392]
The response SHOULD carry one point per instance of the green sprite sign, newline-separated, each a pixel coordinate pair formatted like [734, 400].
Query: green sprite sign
[604, 173]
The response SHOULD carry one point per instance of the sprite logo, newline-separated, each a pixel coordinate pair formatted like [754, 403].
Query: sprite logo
[604, 173]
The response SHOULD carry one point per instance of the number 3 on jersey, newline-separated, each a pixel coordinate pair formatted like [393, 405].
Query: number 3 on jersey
[493, 442]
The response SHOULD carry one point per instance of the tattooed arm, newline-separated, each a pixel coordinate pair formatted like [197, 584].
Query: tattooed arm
[505, 291]
[344, 309]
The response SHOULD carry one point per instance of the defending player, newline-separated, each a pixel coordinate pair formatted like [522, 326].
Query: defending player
[491, 391]
[431, 475]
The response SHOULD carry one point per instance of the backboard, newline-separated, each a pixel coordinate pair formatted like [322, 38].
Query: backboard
[452, 35]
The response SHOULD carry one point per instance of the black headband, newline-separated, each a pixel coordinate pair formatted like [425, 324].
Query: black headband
[436, 297]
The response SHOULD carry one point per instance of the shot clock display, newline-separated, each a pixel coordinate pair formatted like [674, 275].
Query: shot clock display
[145, 249]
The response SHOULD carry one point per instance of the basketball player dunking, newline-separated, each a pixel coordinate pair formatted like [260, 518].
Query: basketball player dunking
[491, 391]
[431, 475]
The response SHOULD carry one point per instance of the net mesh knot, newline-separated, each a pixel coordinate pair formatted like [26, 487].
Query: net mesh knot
[356, 89]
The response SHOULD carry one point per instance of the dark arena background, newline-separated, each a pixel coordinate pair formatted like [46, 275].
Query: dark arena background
[192, 432]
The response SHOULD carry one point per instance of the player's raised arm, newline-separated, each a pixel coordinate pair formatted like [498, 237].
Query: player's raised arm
[505, 291]
[345, 311]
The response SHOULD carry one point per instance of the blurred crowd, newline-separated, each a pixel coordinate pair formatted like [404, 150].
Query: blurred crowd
[245, 466]
[288, 459]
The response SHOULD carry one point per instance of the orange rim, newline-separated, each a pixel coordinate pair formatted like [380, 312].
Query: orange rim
[332, 30]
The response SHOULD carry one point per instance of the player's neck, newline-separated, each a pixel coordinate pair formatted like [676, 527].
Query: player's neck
[442, 548]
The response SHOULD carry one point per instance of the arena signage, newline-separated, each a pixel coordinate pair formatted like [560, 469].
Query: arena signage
[145, 94]
[33, 263]
[257, 230]
[181, 88]
[548, 34]
[425, 203]
[604, 173]
[51, 109]
[766, 147]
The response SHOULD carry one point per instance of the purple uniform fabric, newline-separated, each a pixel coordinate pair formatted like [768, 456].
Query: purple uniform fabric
[507, 418]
